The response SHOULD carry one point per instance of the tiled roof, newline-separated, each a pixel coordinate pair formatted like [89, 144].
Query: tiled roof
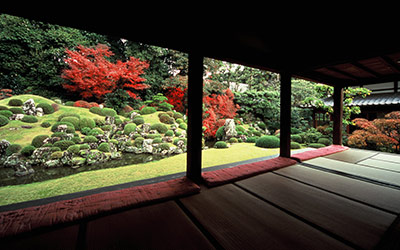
[371, 100]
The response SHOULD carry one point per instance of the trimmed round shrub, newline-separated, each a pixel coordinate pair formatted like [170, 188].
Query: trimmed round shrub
[86, 130]
[106, 127]
[59, 134]
[16, 110]
[108, 112]
[220, 144]
[220, 133]
[138, 141]
[164, 146]
[13, 148]
[129, 128]
[96, 131]
[55, 149]
[55, 106]
[118, 121]
[296, 138]
[69, 103]
[178, 115]
[233, 140]
[90, 139]
[63, 144]
[169, 133]
[45, 124]
[268, 141]
[70, 127]
[183, 126]
[138, 120]
[76, 139]
[86, 122]
[15, 102]
[84, 147]
[3, 108]
[68, 114]
[37, 141]
[148, 110]
[161, 128]
[47, 108]
[324, 141]
[29, 119]
[6, 113]
[73, 120]
[252, 139]
[316, 145]
[157, 140]
[74, 149]
[56, 155]
[294, 145]
[3, 120]
[179, 120]
[95, 110]
[27, 150]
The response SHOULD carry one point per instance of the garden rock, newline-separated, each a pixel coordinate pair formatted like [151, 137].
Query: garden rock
[66, 159]
[23, 169]
[230, 129]
[3, 146]
[39, 112]
[147, 146]
[62, 128]
[130, 149]
[52, 164]
[17, 117]
[40, 155]
[29, 107]
[133, 115]
[146, 127]
[110, 120]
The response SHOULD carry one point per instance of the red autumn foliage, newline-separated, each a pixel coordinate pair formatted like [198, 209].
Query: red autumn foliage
[377, 134]
[85, 104]
[177, 97]
[90, 74]
[218, 108]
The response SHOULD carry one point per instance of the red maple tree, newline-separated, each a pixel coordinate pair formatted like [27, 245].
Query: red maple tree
[91, 74]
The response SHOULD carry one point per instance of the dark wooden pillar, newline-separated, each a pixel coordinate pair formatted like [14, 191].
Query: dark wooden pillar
[286, 95]
[195, 121]
[337, 115]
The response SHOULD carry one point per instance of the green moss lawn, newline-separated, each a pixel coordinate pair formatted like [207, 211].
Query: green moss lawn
[106, 177]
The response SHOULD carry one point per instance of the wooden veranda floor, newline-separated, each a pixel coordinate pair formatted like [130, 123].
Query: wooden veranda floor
[345, 200]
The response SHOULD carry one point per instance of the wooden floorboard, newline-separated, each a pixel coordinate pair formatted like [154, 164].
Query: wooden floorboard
[62, 238]
[352, 221]
[161, 226]
[239, 220]
[352, 155]
[381, 164]
[376, 195]
[379, 175]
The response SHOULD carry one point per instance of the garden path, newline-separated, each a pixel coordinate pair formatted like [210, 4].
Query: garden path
[341, 201]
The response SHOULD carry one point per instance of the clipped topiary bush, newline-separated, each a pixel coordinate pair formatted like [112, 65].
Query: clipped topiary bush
[68, 114]
[178, 116]
[164, 146]
[220, 133]
[95, 110]
[70, 127]
[86, 130]
[129, 128]
[84, 147]
[56, 155]
[96, 131]
[268, 141]
[165, 118]
[294, 145]
[169, 133]
[29, 119]
[157, 140]
[16, 110]
[6, 113]
[45, 124]
[316, 145]
[74, 149]
[90, 139]
[139, 141]
[47, 108]
[138, 120]
[161, 128]
[73, 120]
[104, 147]
[13, 148]
[220, 144]
[233, 140]
[183, 126]
[86, 122]
[296, 138]
[108, 112]
[252, 139]
[3, 120]
[27, 150]
[37, 141]
[324, 141]
[15, 102]
[63, 144]
[148, 110]
[69, 103]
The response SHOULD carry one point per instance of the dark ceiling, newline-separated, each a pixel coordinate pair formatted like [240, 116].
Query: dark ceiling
[349, 54]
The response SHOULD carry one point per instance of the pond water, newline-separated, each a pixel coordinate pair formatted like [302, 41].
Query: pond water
[7, 176]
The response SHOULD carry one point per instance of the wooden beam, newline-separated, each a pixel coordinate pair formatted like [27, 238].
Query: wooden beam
[286, 96]
[195, 112]
[338, 71]
[366, 69]
[391, 64]
[337, 115]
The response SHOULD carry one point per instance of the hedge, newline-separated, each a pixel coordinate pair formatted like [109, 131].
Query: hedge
[268, 141]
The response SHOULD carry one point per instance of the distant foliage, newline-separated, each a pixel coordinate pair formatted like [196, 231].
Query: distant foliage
[92, 75]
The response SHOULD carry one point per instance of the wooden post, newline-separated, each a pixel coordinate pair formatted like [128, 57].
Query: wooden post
[195, 119]
[286, 95]
[337, 115]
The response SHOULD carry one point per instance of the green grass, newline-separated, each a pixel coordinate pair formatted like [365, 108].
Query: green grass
[107, 177]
